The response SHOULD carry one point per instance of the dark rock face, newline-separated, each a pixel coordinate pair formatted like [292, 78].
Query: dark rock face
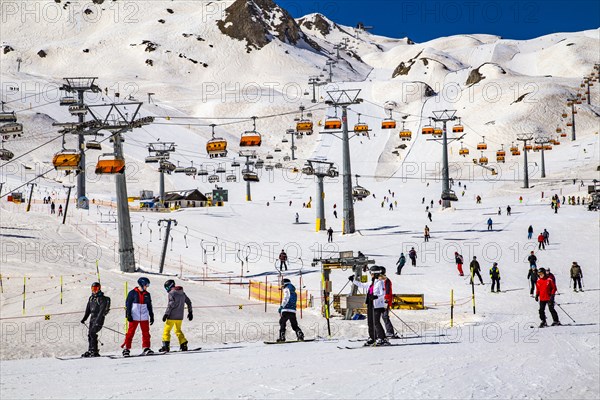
[7, 49]
[475, 76]
[259, 22]
[404, 67]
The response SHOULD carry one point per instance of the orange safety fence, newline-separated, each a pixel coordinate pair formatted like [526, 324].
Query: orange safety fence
[273, 294]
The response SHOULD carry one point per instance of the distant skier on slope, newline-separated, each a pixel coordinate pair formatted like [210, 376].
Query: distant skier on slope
[458, 258]
[540, 239]
[495, 277]
[412, 254]
[400, 263]
[475, 268]
[576, 275]
[532, 275]
[530, 232]
[532, 260]
[97, 307]
[283, 260]
[287, 311]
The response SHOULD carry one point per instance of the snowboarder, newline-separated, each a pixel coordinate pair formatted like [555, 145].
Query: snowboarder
[329, 235]
[546, 289]
[282, 260]
[458, 258]
[138, 311]
[412, 254]
[60, 210]
[475, 268]
[429, 216]
[576, 275]
[97, 307]
[375, 305]
[532, 275]
[400, 263]
[540, 239]
[52, 208]
[495, 277]
[532, 260]
[489, 224]
[508, 210]
[389, 300]
[426, 233]
[546, 236]
[530, 232]
[287, 311]
[173, 316]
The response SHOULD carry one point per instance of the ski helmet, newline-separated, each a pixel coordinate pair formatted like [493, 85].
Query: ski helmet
[383, 270]
[96, 287]
[169, 285]
[541, 270]
[143, 281]
[375, 269]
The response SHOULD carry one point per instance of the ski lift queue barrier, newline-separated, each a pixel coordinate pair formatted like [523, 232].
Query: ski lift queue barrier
[400, 302]
[273, 294]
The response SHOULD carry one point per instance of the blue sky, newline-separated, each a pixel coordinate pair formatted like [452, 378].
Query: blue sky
[429, 19]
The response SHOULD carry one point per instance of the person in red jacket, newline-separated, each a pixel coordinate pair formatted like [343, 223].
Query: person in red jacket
[546, 289]
[541, 245]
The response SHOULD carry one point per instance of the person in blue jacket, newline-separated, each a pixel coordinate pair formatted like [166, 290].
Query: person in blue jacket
[138, 311]
[287, 311]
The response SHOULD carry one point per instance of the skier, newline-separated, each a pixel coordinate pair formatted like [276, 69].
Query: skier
[532, 275]
[60, 210]
[287, 311]
[389, 300]
[540, 239]
[426, 233]
[173, 316]
[52, 208]
[138, 311]
[282, 260]
[97, 307]
[495, 277]
[297, 218]
[546, 236]
[412, 254]
[489, 224]
[532, 260]
[499, 211]
[400, 263]
[335, 213]
[576, 275]
[508, 210]
[546, 289]
[475, 268]
[423, 200]
[478, 199]
[329, 235]
[521, 199]
[391, 206]
[375, 306]
[429, 216]
[459, 263]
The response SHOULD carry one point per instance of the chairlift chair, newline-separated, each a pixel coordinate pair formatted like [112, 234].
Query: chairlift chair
[213, 179]
[251, 138]
[216, 146]
[108, 164]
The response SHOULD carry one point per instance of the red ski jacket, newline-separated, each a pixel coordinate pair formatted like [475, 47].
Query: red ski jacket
[545, 288]
[540, 238]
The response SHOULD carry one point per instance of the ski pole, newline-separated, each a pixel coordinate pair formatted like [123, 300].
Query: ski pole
[343, 288]
[88, 328]
[112, 330]
[408, 326]
[565, 312]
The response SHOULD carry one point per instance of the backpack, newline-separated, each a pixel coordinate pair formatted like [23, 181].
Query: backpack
[107, 305]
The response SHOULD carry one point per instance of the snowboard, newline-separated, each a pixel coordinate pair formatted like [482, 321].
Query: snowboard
[291, 341]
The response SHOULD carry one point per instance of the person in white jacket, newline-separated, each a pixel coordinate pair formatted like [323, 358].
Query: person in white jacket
[376, 306]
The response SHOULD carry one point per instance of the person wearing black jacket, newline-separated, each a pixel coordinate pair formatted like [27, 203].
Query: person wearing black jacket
[97, 307]
[475, 268]
[532, 275]
[532, 260]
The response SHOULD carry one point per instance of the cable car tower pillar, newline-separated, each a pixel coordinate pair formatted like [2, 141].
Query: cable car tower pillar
[443, 117]
[321, 223]
[348, 225]
[81, 143]
[126, 250]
